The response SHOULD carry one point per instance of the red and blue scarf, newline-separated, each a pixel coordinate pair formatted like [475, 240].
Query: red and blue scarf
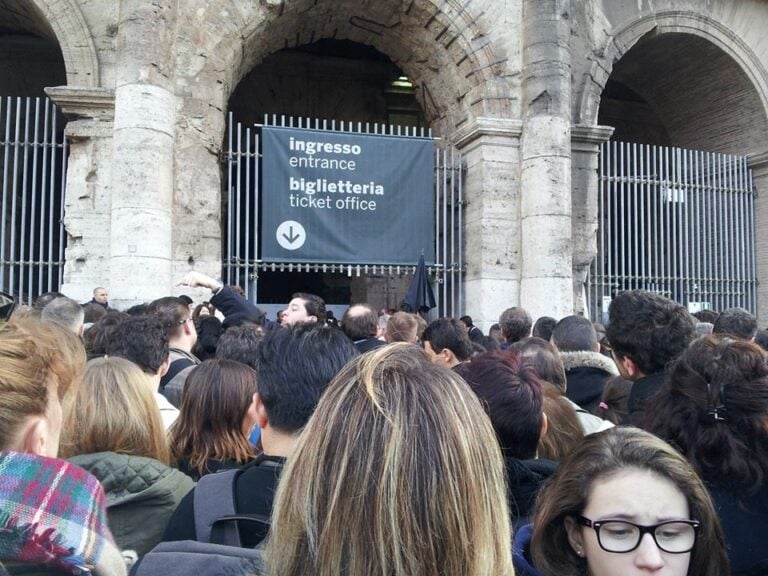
[53, 513]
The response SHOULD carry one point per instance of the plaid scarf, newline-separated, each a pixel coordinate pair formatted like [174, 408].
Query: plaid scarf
[52, 513]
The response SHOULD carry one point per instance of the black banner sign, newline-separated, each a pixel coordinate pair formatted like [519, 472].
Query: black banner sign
[346, 198]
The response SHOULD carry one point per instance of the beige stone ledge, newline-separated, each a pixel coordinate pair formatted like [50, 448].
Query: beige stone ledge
[587, 138]
[479, 127]
[84, 102]
[759, 163]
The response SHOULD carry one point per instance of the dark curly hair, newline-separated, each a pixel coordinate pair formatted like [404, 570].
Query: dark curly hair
[713, 410]
[649, 329]
[736, 322]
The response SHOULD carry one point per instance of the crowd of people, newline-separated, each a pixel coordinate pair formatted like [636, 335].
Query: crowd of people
[380, 444]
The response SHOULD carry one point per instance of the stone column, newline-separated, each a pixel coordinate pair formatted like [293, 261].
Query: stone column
[87, 198]
[546, 286]
[491, 149]
[142, 167]
[759, 165]
[585, 149]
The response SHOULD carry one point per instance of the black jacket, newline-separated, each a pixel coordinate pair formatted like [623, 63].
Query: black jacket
[368, 344]
[237, 309]
[526, 477]
[744, 524]
[642, 391]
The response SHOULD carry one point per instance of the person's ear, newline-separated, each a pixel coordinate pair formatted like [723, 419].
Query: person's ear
[597, 347]
[544, 426]
[260, 411]
[627, 367]
[250, 417]
[163, 370]
[35, 438]
[448, 356]
[575, 536]
[630, 367]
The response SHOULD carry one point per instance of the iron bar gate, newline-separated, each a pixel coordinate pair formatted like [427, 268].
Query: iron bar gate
[34, 163]
[242, 262]
[674, 221]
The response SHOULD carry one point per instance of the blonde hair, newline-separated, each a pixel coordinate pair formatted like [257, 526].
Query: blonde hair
[115, 411]
[397, 473]
[402, 327]
[34, 356]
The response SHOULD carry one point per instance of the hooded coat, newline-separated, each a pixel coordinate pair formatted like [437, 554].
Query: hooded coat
[585, 374]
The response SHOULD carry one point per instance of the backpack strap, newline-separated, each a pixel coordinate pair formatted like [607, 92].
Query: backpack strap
[223, 528]
[215, 497]
[173, 370]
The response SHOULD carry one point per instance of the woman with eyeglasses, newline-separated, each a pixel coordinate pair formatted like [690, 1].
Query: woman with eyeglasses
[714, 410]
[623, 503]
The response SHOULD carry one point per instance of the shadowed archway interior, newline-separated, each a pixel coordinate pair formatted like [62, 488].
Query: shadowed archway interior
[681, 90]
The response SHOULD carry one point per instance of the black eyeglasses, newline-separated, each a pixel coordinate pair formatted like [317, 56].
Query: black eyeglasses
[672, 536]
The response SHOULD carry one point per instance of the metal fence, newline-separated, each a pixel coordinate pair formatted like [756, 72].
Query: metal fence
[677, 222]
[33, 153]
[242, 263]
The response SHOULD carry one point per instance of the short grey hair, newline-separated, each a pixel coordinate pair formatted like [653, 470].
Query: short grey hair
[66, 312]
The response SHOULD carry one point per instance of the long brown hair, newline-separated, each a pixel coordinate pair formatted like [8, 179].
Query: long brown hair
[714, 409]
[214, 403]
[397, 473]
[564, 431]
[599, 456]
[115, 411]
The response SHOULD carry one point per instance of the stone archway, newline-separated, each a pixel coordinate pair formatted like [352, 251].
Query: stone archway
[710, 34]
[446, 49]
[697, 84]
[60, 21]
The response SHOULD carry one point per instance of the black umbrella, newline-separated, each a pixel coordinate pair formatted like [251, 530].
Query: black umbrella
[420, 297]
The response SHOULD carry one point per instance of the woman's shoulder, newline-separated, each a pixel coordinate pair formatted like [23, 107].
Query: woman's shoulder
[126, 476]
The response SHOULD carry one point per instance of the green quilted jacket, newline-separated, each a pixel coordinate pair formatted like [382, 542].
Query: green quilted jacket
[142, 493]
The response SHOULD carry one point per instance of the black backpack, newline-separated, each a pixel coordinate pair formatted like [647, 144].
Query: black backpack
[217, 550]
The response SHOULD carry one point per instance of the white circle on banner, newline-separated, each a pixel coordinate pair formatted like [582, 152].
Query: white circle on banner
[291, 235]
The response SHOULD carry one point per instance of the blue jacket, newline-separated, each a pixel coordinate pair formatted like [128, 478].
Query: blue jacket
[521, 552]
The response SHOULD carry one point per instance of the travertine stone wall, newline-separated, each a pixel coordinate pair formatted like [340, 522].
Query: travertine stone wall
[143, 150]
[87, 203]
[585, 144]
[515, 84]
[759, 165]
[546, 287]
[491, 149]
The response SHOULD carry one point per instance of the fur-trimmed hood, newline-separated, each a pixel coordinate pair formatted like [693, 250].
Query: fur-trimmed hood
[584, 359]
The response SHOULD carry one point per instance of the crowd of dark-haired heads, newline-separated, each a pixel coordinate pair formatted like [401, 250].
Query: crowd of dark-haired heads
[388, 444]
